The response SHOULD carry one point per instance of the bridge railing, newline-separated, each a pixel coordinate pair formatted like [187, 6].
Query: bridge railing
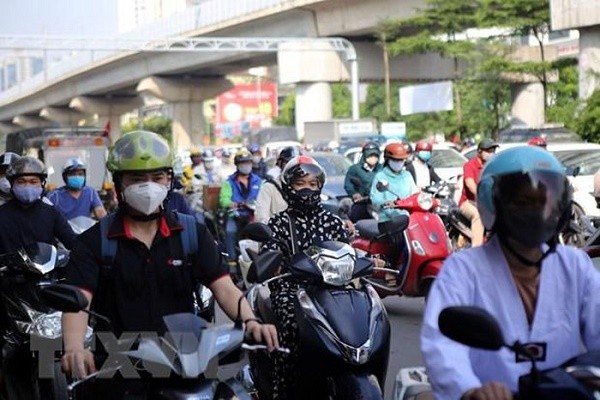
[203, 15]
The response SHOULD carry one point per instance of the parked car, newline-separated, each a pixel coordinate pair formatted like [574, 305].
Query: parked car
[551, 132]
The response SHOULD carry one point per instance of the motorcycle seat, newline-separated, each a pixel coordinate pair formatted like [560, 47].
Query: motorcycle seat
[371, 229]
[367, 228]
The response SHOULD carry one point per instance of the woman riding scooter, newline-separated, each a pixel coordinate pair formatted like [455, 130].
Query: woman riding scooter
[303, 224]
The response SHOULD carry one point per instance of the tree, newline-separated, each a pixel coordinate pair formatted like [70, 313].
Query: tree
[588, 123]
[435, 29]
[287, 111]
[156, 123]
[522, 18]
[341, 101]
[564, 102]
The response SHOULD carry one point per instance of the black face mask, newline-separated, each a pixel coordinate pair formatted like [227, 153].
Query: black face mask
[530, 227]
[304, 199]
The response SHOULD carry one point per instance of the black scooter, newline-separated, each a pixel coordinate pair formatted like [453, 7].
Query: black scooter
[576, 379]
[344, 331]
[28, 324]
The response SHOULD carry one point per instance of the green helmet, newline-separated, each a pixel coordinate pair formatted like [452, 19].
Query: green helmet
[139, 151]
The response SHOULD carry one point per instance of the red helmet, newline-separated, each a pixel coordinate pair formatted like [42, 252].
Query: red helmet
[537, 141]
[396, 151]
[424, 145]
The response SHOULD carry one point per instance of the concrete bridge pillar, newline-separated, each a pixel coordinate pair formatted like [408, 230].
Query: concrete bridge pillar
[311, 66]
[107, 108]
[62, 115]
[9, 127]
[29, 121]
[589, 60]
[187, 97]
[527, 104]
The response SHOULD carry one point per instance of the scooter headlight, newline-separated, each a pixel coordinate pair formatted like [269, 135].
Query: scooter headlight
[335, 260]
[425, 201]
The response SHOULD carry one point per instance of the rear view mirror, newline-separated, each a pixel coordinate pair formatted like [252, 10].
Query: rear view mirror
[258, 232]
[382, 186]
[471, 326]
[264, 266]
[65, 298]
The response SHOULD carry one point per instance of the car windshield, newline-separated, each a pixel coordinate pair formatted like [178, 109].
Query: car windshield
[588, 160]
[334, 165]
[554, 135]
[446, 158]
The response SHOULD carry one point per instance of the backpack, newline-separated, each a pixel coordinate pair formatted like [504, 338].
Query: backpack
[189, 238]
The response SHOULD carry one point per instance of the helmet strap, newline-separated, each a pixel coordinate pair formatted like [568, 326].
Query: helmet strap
[524, 260]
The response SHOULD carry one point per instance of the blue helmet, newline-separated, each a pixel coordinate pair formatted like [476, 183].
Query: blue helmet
[509, 172]
[254, 148]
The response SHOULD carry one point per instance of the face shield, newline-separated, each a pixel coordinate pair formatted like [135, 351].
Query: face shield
[532, 204]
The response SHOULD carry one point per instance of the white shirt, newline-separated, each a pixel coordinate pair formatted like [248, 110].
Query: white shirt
[423, 179]
[269, 202]
[567, 314]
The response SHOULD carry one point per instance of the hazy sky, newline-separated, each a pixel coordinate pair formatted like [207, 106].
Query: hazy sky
[58, 17]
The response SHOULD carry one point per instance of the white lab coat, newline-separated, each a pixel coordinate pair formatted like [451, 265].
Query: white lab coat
[269, 202]
[567, 314]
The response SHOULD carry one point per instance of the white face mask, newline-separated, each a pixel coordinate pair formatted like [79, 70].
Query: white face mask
[4, 185]
[396, 166]
[145, 197]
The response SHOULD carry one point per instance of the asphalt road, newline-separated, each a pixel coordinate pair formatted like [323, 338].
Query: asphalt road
[405, 316]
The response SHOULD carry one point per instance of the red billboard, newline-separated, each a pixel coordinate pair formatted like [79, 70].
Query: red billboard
[246, 106]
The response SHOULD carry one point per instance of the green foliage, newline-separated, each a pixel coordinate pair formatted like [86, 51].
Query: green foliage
[156, 123]
[287, 112]
[341, 99]
[588, 124]
[564, 95]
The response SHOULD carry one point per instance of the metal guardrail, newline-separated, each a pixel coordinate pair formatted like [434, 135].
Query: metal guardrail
[203, 15]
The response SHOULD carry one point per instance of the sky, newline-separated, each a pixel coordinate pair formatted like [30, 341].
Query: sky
[59, 17]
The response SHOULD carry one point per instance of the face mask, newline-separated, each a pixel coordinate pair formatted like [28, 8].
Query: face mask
[245, 169]
[208, 165]
[27, 194]
[424, 155]
[530, 227]
[396, 166]
[255, 159]
[75, 182]
[4, 185]
[304, 199]
[145, 197]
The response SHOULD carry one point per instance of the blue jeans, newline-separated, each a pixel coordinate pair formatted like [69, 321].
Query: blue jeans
[231, 229]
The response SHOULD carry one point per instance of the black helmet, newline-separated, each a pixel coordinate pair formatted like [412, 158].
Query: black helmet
[26, 166]
[7, 159]
[370, 148]
[241, 156]
[286, 154]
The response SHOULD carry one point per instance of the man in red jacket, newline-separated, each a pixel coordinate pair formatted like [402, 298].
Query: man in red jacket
[471, 171]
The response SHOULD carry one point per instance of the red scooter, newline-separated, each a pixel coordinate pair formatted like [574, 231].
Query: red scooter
[420, 241]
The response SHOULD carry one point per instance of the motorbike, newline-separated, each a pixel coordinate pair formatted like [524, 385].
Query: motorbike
[420, 240]
[81, 224]
[341, 319]
[456, 223]
[576, 379]
[190, 349]
[28, 322]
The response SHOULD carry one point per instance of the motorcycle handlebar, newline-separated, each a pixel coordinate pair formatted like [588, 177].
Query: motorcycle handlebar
[256, 347]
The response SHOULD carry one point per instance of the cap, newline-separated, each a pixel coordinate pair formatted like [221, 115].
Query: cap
[487, 143]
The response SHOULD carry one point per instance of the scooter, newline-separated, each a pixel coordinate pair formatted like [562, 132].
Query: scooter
[189, 349]
[344, 331]
[28, 323]
[423, 242]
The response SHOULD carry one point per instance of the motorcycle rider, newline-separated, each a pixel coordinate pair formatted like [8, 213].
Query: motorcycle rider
[359, 179]
[209, 174]
[26, 218]
[237, 197]
[471, 170]
[542, 293]
[302, 181]
[143, 283]
[270, 199]
[401, 183]
[196, 158]
[259, 166]
[6, 160]
[75, 199]
[422, 172]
